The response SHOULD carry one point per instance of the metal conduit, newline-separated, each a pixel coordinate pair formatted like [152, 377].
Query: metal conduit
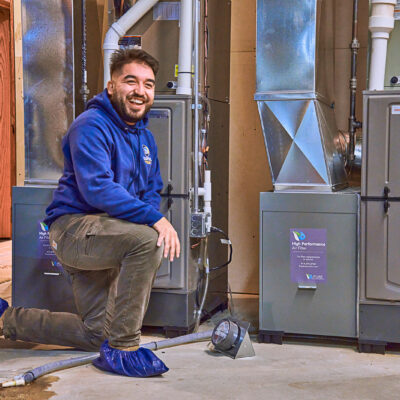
[353, 123]
[196, 107]
[84, 87]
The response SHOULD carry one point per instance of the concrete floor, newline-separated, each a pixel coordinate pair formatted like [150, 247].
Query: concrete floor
[293, 370]
[290, 371]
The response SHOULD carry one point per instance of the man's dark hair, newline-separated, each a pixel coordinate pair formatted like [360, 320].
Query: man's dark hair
[122, 57]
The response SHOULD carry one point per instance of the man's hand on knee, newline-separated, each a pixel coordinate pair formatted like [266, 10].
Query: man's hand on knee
[168, 235]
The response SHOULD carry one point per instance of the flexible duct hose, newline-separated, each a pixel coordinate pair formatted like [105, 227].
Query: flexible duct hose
[35, 373]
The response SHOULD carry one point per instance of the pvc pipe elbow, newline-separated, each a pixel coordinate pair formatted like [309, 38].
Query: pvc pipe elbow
[109, 46]
[119, 28]
[134, 14]
[111, 39]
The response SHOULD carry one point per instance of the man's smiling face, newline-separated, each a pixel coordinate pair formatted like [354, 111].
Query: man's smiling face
[131, 91]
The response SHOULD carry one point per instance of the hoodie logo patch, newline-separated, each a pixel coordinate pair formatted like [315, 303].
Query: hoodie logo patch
[147, 159]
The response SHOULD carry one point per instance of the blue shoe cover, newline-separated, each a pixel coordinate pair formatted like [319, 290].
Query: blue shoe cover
[3, 306]
[140, 363]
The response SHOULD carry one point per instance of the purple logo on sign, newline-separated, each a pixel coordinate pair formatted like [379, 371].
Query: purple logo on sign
[308, 255]
[45, 250]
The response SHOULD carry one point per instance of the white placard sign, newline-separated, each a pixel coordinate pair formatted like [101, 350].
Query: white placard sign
[396, 109]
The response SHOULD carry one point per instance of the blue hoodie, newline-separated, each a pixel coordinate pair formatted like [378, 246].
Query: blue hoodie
[109, 167]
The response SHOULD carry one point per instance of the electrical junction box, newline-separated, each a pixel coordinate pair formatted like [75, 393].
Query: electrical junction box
[308, 263]
[198, 225]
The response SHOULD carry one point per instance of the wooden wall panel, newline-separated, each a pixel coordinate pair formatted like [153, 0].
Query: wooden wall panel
[19, 95]
[13, 130]
[248, 165]
[5, 4]
[6, 137]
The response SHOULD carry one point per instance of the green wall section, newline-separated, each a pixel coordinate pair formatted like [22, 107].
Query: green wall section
[393, 57]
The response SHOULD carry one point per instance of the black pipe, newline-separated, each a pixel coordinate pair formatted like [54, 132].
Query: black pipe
[353, 123]
[84, 88]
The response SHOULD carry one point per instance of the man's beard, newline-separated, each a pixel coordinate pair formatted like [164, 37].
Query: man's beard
[128, 115]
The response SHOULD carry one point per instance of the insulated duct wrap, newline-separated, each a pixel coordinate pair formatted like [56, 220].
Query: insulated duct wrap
[295, 71]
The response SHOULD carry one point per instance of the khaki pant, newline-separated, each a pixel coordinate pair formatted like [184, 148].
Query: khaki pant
[112, 264]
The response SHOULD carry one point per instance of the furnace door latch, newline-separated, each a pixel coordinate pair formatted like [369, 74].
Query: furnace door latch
[171, 196]
[385, 199]
[386, 203]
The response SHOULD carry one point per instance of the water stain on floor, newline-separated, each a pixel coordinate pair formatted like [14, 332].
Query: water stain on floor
[34, 391]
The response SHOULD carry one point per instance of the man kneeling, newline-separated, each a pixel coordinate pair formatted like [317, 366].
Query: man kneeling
[105, 226]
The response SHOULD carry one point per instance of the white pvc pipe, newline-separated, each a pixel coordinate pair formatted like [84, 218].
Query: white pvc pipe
[196, 106]
[207, 199]
[119, 29]
[378, 64]
[381, 23]
[207, 190]
[185, 48]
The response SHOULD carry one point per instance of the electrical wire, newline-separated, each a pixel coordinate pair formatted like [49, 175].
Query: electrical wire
[217, 230]
[204, 275]
[207, 279]
[198, 288]
[231, 306]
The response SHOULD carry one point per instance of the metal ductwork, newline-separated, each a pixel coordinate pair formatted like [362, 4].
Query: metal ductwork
[295, 85]
[49, 93]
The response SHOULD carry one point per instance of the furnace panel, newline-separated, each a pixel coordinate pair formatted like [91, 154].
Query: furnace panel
[326, 307]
